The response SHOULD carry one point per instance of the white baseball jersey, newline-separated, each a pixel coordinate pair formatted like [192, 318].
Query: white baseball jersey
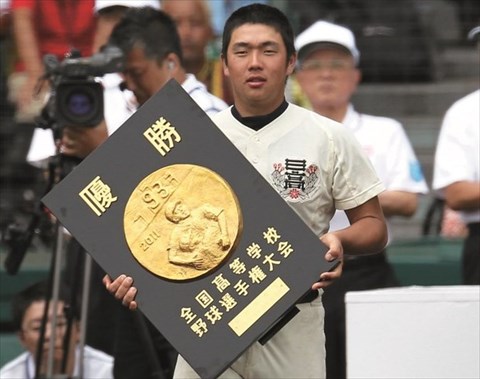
[457, 157]
[314, 163]
[386, 144]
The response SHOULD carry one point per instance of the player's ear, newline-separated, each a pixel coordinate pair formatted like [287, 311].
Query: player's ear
[224, 65]
[292, 61]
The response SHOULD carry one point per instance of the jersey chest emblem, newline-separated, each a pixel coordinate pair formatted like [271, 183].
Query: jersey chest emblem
[294, 179]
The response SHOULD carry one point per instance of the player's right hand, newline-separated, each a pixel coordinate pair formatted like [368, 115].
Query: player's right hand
[122, 288]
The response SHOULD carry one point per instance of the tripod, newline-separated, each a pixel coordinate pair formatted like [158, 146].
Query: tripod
[19, 241]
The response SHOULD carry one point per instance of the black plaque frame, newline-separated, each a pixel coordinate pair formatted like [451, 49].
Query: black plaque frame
[122, 162]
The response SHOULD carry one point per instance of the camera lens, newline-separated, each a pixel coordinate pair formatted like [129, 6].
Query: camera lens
[79, 103]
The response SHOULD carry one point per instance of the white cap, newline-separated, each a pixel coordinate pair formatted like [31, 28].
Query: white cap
[101, 4]
[324, 31]
[474, 33]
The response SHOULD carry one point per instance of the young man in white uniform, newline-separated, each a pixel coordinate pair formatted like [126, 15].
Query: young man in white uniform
[27, 310]
[258, 55]
[456, 174]
[327, 73]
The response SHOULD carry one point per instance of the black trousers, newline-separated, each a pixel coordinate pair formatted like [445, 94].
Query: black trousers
[361, 273]
[471, 255]
[141, 351]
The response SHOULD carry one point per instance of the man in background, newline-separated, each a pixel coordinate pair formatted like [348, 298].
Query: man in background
[456, 175]
[194, 26]
[328, 75]
[28, 308]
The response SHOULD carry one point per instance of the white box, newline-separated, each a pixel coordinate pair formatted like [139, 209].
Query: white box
[414, 332]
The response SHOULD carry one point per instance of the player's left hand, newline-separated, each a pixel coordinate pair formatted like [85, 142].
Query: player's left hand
[335, 251]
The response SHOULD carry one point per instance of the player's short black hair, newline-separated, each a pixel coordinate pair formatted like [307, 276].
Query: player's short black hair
[259, 14]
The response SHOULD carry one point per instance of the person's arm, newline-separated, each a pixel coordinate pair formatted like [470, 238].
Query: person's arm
[79, 141]
[463, 195]
[367, 234]
[28, 52]
[398, 203]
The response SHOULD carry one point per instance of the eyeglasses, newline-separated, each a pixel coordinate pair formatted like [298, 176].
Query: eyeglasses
[333, 64]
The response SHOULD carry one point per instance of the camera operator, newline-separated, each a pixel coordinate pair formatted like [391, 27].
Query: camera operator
[80, 114]
[146, 71]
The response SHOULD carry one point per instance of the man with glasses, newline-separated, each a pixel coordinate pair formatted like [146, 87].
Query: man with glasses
[328, 75]
[28, 308]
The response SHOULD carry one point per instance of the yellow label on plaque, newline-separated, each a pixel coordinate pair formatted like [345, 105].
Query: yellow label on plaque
[182, 221]
[259, 306]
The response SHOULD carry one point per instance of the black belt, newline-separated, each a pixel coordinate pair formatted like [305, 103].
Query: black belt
[361, 260]
[309, 297]
[474, 228]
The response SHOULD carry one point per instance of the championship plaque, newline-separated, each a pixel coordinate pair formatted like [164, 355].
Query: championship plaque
[217, 255]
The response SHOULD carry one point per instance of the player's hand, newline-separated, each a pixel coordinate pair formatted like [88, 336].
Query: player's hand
[122, 288]
[335, 251]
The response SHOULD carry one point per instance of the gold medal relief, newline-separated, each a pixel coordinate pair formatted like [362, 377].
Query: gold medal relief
[182, 221]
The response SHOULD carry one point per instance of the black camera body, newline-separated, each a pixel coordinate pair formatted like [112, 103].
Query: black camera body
[76, 97]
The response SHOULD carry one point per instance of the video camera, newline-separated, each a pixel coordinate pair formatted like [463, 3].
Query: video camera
[76, 96]
[76, 99]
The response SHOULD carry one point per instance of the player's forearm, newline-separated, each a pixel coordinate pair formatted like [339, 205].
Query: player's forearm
[366, 236]
[463, 196]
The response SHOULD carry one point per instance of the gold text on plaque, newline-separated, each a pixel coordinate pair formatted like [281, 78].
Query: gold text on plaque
[162, 135]
[182, 221]
[98, 196]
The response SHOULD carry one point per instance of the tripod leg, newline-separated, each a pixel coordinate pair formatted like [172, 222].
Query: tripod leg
[84, 314]
[55, 295]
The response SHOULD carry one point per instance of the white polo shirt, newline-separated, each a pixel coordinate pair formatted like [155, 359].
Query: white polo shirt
[386, 144]
[457, 157]
[96, 365]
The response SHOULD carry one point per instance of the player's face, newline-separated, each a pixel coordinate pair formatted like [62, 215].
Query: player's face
[257, 67]
[144, 76]
[328, 78]
[193, 27]
[31, 330]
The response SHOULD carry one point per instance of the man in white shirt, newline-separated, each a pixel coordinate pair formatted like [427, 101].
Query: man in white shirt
[28, 308]
[456, 175]
[328, 75]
